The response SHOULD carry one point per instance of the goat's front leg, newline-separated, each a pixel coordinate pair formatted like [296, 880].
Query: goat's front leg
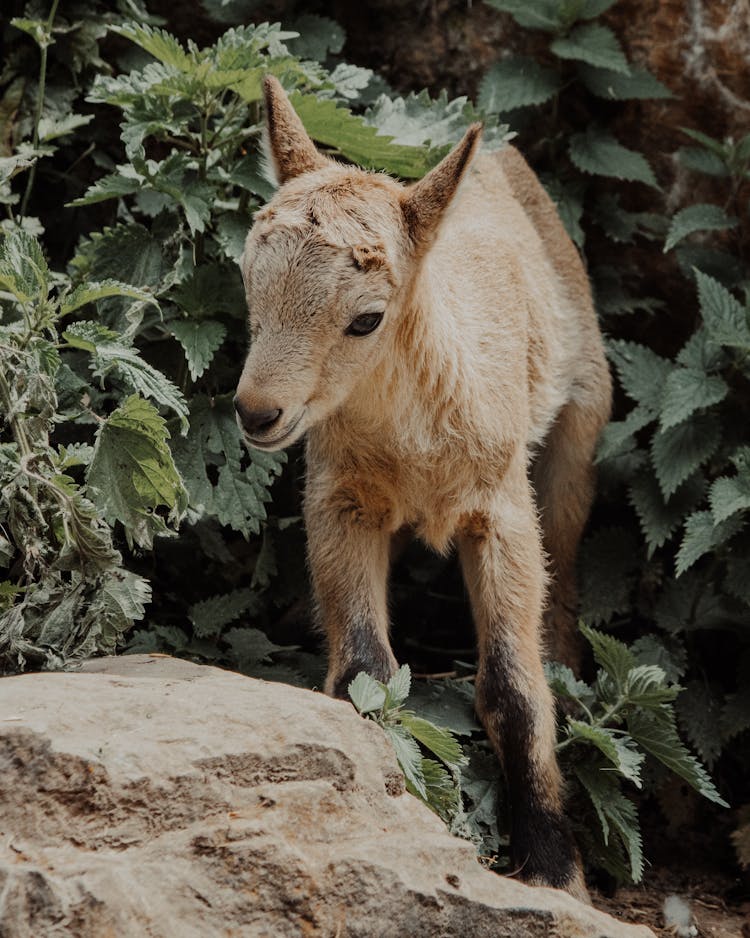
[348, 554]
[503, 566]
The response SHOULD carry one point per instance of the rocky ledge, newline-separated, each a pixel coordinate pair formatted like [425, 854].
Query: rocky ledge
[146, 796]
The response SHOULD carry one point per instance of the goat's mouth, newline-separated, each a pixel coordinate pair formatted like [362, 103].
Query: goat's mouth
[276, 442]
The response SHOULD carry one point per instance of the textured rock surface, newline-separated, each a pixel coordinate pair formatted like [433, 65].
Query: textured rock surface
[152, 797]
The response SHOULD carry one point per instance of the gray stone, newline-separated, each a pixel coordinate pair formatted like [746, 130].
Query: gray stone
[146, 796]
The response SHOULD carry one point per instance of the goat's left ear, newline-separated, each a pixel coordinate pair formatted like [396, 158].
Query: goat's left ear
[425, 202]
[292, 151]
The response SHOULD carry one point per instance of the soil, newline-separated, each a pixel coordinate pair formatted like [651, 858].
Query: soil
[712, 898]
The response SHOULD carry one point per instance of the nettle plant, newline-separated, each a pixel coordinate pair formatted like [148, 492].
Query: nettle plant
[577, 64]
[682, 453]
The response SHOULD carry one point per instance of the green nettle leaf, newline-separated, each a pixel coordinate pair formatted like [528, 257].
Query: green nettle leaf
[611, 654]
[200, 342]
[532, 14]
[646, 687]
[564, 683]
[409, 758]
[109, 353]
[113, 186]
[568, 199]
[642, 373]
[656, 731]
[668, 654]
[51, 128]
[699, 710]
[421, 121]
[701, 217]
[725, 318]
[132, 473]
[676, 453]
[599, 153]
[703, 535]
[660, 517]
[640, 84]
[515, 83]
[398, 686]
[438, 740]
[366, 693]
[615, 812]
[91, 291]
[619, 750]
[593, 44]
[23, 268]
[687, 390]
[730, 494]
[209, 616]
[159, 43]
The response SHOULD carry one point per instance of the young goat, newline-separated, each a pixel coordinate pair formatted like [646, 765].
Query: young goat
[438, 345]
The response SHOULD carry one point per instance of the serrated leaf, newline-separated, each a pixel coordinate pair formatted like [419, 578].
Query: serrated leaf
[409, 759]
[568, 199]
[657, 733]
[687, 390]
[399, 686]
[23, 268]
[593, 44]
[646, 686]
[676, 453]
[564, 683]
[699, 711]
[618, 750]
[200, 342]
[211, 615]
[439, 741]
[446, 703]
[109, 353]
[671, 658]
[317, 37]
[132, 473]
[728, 495]
[113, 186]
[366, 693]
[640, 84]
[515, 83]
[611, 654]
[250, 648]
[641, 371]
[443, 795]
[702, 535]
[724, 317]
[660, 517]
[599, 153]
[159, 43]
[92, 291]
[614, 811]
[700, 217]
[51, 128]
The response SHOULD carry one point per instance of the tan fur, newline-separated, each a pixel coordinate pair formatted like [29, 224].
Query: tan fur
[488, 366]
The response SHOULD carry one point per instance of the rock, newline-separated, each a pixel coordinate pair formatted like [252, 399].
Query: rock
[150, 796]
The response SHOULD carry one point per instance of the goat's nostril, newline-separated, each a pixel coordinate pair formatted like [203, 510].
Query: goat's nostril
[256, 421]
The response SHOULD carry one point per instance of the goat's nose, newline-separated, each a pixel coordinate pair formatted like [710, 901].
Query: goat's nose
[256, 421]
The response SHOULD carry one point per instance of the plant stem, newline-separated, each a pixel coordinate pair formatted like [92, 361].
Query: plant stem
[15, 425]
[39, 103]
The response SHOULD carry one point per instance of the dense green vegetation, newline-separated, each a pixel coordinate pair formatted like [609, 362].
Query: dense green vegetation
[131, 515]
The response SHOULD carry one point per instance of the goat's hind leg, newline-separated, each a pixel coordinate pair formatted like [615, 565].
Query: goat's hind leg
[564, 477]
[502, 560]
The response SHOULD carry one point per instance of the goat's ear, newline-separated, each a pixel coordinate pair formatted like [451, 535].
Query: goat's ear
[292, 151]
[424, 202]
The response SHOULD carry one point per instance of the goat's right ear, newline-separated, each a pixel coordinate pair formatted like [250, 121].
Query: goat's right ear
[292, 151]
[426, 201]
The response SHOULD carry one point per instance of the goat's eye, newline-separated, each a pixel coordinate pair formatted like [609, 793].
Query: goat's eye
[364, 324]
